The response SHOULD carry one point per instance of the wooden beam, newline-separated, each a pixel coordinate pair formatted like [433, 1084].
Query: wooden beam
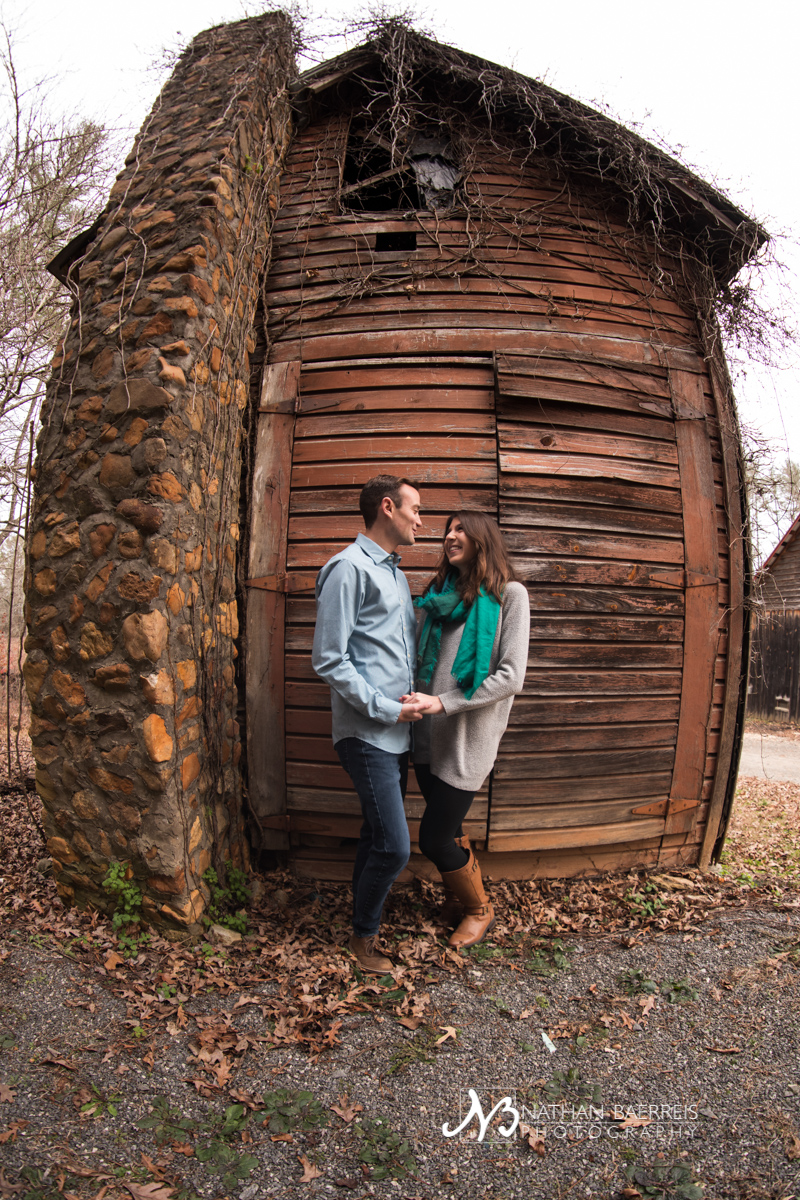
[266, 607]
[701, 615]
[738, 618]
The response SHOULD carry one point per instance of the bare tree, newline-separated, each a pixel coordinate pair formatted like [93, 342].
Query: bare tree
[52, 170]
[773, 493]
[53, 175]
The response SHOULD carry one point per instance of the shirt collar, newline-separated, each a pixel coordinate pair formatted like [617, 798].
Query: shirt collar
[375, 552]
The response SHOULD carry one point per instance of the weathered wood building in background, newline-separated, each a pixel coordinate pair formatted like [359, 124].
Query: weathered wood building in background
[774, 690]
[406, 260]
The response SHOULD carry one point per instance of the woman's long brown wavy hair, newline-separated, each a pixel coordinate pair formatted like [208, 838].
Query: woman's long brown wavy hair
[490, 568]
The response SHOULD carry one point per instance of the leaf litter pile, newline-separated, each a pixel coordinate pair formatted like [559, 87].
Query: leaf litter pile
[290, 986]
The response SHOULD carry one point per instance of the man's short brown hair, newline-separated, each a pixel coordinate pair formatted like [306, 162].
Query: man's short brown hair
[374, 491]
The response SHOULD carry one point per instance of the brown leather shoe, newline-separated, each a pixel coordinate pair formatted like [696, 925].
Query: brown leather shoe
[368, 955]
[478, 912]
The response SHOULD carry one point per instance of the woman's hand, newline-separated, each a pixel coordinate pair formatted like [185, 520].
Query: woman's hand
[431, 706]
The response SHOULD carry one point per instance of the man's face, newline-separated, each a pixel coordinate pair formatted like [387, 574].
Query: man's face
[405, 519]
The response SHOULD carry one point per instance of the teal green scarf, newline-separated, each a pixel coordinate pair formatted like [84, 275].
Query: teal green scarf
[473, 660]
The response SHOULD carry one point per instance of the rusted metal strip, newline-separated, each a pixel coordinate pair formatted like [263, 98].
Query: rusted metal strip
[695, 579]
[269, 583]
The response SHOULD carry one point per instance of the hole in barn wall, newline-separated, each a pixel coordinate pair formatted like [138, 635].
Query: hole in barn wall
[395, 241]
[379, 176]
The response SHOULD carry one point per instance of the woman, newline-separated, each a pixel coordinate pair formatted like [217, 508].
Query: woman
[472, 654]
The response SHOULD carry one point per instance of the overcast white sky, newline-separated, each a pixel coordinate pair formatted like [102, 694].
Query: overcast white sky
[716, 80]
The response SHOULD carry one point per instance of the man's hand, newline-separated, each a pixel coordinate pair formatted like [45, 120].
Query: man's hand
[424, 705]
[409, 712]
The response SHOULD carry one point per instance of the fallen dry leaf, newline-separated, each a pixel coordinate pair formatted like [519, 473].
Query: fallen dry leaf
[281, 1137]
[14, 1128]
[309, 1170]
[634, 1122]
[114, 960]
[449, 1032]
[410, 1022]
[59, 1062]
[149, 1191]
[534, 1139]
[647, 1003]
[7, 1188]
[6, 1094]
[345, 1109]
[152, 1167]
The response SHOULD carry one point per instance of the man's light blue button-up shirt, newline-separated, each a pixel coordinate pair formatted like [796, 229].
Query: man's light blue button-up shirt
[365, 643]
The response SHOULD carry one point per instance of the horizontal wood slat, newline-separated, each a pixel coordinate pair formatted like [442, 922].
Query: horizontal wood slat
[549, 839]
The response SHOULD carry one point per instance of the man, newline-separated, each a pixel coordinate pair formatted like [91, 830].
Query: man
[365, 649]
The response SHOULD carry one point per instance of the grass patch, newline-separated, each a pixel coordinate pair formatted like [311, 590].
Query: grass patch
[420, 1048]
[764, 833]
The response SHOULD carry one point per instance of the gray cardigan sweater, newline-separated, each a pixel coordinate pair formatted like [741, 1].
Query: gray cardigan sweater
[460, 744]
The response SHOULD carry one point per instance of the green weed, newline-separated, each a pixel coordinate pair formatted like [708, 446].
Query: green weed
[166, 1123]
[41, 1186]
[634, 982]
[419, 1048]
[229, 900]
[386, 1153]
[645, 904]
[484, 951]
[678, 991]
[285, 1111]
[100, 1105]
[127, 916]
[223, 1159]
[663, 1182]
[570, 1085]
[549, 957]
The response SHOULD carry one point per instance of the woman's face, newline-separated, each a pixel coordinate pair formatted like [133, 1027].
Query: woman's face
[459, 548]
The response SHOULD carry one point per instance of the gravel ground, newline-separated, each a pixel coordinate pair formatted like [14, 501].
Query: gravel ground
[702, 1090]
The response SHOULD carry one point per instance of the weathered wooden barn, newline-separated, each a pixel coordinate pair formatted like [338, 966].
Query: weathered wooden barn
[774, 691]
[405, 260]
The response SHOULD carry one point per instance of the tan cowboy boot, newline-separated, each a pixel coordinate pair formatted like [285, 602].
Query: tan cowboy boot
[368, 955]
[452, 910]
[478, 912]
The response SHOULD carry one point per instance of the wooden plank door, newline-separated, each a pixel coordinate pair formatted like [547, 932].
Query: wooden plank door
[429, 418]
[590, 503]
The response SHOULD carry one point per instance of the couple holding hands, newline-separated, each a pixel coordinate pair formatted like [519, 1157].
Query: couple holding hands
[453, 680]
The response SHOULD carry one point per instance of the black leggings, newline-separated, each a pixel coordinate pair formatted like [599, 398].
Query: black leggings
[445, 808]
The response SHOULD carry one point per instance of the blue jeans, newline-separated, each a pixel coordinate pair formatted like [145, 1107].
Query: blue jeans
[379, 778]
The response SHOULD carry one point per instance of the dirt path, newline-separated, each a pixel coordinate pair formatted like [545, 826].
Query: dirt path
[771, 756]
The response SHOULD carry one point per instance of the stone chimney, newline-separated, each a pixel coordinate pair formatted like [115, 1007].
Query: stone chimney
[134, 537]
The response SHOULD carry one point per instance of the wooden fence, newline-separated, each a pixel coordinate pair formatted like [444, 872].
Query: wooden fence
[774, 691]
